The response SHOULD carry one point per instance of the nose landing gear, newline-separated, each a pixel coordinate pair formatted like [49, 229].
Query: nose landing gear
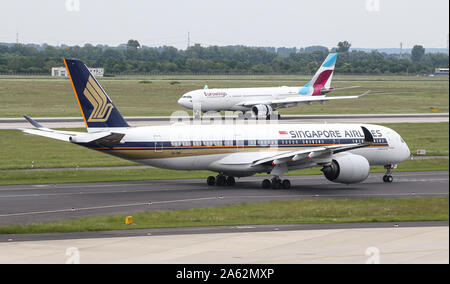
[388, 178]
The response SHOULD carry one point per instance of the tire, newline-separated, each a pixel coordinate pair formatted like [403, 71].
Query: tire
[266, 184]
[221, 181]
[388, 179]
[211, 181]
[231, 181]
[276, 184]
[286, 184]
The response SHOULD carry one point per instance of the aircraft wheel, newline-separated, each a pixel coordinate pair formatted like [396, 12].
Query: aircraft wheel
[266, 184]
[231, 181]
[388, 179]
[276, 184]
[211, 181]
[221, 180]
[286, 184]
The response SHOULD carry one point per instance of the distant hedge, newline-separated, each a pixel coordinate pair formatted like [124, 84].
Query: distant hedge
[214, 59]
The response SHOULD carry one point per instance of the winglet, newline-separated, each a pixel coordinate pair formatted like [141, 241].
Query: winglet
[368, 137]
[33, 122]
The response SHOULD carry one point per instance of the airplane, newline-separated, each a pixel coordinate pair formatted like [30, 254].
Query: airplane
[262, 102]
[344, 152]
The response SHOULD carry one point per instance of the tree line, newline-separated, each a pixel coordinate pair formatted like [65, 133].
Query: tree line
[132, 58]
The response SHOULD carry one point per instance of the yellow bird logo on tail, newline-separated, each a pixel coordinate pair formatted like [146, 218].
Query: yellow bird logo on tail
[98, 99]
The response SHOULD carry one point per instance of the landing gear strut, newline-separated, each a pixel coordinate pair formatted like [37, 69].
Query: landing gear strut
[276, 183]
[387, 178]
[221, 180]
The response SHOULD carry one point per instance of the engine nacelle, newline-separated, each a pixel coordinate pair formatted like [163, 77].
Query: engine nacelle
[347, 169]
[262, 110]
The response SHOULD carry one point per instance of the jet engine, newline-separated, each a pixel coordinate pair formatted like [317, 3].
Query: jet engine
[262, 110]
[347, 169]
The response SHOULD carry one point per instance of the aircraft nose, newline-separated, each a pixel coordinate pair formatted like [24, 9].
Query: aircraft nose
[408, 152]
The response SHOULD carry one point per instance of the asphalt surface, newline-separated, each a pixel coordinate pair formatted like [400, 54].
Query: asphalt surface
[77, 122]
[24, 204]
[215, 230]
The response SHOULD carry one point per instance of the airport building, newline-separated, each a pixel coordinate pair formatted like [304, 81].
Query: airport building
[62, 72]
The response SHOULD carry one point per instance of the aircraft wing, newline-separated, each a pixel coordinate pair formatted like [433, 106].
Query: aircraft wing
[106, 139]
[319, 155]
[322, 154]
[280, 103]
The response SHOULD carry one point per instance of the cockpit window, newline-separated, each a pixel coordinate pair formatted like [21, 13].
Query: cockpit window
[187, 97]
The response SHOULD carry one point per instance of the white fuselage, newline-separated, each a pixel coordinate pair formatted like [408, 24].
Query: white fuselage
[231, 149]
[239, 99]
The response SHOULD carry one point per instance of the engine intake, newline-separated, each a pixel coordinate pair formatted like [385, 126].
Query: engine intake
[262, 110]
[347, 169]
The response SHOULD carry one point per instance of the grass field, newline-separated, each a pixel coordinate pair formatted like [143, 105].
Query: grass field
[275, 212]
[24, 151]
[159, 94]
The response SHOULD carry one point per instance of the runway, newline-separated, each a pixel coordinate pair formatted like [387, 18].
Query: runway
[77, 122]
[24, 204]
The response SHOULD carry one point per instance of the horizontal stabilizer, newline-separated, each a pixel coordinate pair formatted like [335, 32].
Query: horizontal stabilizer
[104, 139]
[48, 134]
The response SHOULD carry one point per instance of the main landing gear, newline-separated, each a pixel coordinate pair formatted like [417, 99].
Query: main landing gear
[387, 178]
[276, 183]
[221, 180]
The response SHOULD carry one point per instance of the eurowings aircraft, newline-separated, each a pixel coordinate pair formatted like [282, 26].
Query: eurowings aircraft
[262, 102]
[344, 152]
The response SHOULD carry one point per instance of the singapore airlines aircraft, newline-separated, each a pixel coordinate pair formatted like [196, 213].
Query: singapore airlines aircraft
[262, 102]
[344, 152]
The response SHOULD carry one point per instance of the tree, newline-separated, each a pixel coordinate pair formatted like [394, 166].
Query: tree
[417, 53]
[133, 44]
[343, 46]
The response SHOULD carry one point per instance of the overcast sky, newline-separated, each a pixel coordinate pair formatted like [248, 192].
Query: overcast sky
[289, 23]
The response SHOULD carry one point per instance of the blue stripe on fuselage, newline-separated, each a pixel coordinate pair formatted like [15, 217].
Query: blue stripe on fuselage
[183, 145]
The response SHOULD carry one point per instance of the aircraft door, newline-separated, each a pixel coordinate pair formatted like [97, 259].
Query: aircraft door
[239, 141]
[158, 143]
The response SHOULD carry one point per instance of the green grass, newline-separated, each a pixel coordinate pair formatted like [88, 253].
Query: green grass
[20, 151]
[434, 137]
[50, 97]
[24, 151]
[275, 212]
[9, 177]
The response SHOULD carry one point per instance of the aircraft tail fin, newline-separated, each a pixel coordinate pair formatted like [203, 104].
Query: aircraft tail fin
[98, 111]
[322, 79]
